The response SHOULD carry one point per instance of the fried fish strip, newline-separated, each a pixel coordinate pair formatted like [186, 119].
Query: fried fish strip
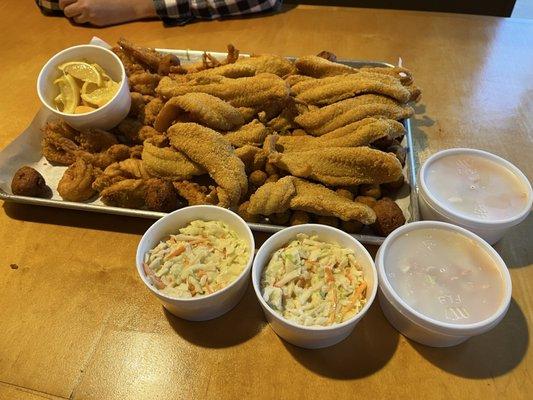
[360, 135]
[272, 197]
[130, 168]
[319, 67]
[203, 108]
[196, 194]
[214, 153]
[249, 66]
[326, 119]
[253, 133]
[329, 90]
[76, 183]
[317, 199]
[297, 194]
[340, 166]
[128, 193]
[254, 92]
[163, 161]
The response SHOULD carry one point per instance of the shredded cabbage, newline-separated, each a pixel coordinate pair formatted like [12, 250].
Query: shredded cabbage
[201, 259]
[312, 282]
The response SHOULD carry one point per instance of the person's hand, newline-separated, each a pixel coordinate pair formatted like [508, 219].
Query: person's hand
[107, 12]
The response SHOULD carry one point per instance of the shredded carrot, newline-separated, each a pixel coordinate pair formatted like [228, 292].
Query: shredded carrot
[176, 252]
[361, 289]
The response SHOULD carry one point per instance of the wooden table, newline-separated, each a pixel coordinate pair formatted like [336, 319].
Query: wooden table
[76, 322]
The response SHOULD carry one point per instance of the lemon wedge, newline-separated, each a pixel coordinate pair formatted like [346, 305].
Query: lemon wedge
[69, 93]
[101, 96]
[83, 109]
[103, 74]
[88, 87]
[82, 71]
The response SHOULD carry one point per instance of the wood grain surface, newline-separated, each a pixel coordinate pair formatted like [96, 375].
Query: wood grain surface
[75, 320]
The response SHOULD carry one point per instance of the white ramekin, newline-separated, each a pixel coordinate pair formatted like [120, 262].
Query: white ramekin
[105, 117]
[313, 337]
[415, 325]
[205, 307]
[490, 230]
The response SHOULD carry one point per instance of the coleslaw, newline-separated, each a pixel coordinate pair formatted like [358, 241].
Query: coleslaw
[202, 258]
[312, 282]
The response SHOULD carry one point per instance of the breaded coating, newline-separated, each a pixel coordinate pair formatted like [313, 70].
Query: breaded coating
[369, 201]
[29, 182]
[253, 133]
[340, 114]
[129, 128]
[202, 108]
[144, 82]
[389, 216]
[329, 90]
[254, 92]
[96, 140]
[152, 108]
[361, 135]
[209, 149]
[319, 67]
[272, 197]
[58, 149]
[156, 62]
[76, 183]
[117, 152]
[254, 158]
[257, 178]
[160, 196]
[318, 199]
[137, 106]
[299, 218]
[163, 161]
[243, 212]
[130, 168]
[128, 193]
[340, 166]
[196, 194]
[371, 190]
[297, 194]
[249, 66]
[345, 193]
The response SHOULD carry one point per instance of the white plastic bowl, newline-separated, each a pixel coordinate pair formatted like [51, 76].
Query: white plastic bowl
[415, 325]
[205, 307]
[105, 117]
[490, 230]
[313, 337]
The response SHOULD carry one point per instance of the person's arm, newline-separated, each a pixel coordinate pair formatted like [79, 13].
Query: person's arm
[182, 11]
[109, 12]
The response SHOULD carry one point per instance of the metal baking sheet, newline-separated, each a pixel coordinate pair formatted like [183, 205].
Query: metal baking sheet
[26, 150]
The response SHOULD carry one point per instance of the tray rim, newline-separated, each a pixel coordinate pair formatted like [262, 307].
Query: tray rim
[267, 228]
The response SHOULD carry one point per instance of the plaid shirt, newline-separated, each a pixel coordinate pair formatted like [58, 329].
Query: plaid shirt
[179, 12]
